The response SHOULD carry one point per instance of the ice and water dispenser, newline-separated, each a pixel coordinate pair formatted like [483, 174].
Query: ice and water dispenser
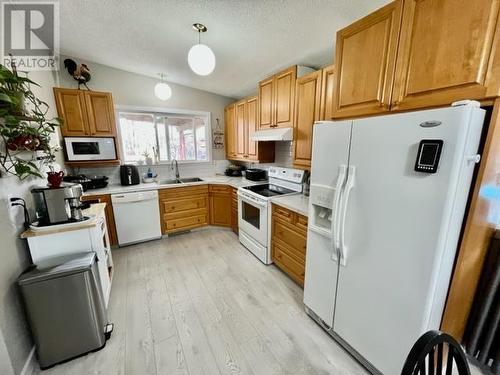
[321, 216]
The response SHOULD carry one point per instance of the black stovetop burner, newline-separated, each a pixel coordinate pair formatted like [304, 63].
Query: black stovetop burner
[269, 190]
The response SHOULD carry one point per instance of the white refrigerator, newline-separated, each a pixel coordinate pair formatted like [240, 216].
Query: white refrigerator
[387, 201]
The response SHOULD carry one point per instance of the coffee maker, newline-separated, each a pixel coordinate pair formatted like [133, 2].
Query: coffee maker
[58, 205]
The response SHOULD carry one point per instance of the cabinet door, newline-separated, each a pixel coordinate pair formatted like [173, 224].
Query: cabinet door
[444, 51]
[100, 112]
[307, 106]
[327, 88]
[285, 97]
[252, 113]
[266, 103]
[71, 108]
[241, 128]
[365, 60]
[110, 217]
[230, 131]
[220, 209]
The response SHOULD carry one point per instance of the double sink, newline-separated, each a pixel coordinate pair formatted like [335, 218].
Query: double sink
[180, 181]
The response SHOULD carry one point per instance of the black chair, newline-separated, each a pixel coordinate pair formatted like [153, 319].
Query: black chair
[436, 353]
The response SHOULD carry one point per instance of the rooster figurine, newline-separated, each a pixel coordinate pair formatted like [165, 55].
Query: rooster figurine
[80, 73]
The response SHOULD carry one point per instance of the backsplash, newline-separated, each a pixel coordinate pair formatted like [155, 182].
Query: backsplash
[283, 158]
[163, 170]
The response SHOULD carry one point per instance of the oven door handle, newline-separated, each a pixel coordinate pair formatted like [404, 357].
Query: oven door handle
[251, 201]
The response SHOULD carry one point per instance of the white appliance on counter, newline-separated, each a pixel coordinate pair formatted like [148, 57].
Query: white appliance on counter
[254, 213]
[89, 148]
[61, 241]
[137, 216]
[387, 201]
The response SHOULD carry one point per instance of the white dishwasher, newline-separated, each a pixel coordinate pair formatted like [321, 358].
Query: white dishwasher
[137, 216]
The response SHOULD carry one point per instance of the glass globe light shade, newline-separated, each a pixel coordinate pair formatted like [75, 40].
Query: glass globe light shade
[201, 59]
[163, 91]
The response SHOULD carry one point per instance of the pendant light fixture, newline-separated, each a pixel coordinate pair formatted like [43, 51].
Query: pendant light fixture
[201, 59]
[162, 89]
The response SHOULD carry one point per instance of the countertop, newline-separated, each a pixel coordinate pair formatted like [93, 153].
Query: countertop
[235, 182]
[296, 202]
[94, 211]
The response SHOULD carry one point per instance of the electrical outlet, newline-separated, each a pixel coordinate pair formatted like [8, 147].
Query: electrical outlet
[16, 214]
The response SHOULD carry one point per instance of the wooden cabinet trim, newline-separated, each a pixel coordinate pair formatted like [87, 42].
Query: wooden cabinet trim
[476, 237]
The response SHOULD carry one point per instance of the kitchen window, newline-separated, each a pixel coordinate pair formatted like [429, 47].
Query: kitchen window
[150, 137]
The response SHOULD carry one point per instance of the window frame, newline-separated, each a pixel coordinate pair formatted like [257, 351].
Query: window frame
[166, 111]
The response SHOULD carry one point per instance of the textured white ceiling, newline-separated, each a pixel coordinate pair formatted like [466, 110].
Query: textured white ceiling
[251, 39]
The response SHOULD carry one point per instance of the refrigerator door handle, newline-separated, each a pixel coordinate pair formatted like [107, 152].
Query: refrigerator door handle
[349, 185]
[335, 210]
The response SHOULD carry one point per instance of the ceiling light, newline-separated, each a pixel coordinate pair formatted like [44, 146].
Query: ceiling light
[162, 89]
[201, 59]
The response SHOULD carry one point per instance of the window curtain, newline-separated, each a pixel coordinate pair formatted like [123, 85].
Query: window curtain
[482, 336]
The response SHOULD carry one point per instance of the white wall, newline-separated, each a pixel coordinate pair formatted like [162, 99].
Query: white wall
[137, 90]
[14, 253]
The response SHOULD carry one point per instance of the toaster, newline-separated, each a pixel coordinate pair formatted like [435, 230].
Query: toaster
[129, 175]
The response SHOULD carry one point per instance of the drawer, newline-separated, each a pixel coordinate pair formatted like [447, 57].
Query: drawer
[184, 204]
[283, 213]
[220, 189]
[294, 269]
[186, 223]
[301, 222]
[180, 192]
[292, 252]
[186, 213]
[289, 236]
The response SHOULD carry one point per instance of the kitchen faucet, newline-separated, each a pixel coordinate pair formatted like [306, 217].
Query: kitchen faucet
[175, 168]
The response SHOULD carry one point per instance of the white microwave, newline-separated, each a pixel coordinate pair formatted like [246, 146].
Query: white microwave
[90, 148]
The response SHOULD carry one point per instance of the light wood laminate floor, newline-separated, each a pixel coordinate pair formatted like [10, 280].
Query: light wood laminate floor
[200, 304]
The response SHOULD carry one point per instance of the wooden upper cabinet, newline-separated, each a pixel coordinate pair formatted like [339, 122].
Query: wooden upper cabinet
[85, 113]
[365, 60]
[444, 52]
[71, 108]
[252, 111]
[101, 114]
[241, 128]
[239, 145]
[307, 111]
[327, 89]
[276, 99]
[229, 120]
[266, 103]
[284, 97]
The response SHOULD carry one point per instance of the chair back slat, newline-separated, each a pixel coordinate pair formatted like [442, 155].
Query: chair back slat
[429, 353]
[430, 362]
[449, 361]
[439, 364]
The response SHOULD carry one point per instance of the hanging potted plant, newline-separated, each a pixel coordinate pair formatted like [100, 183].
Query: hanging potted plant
[24, 129]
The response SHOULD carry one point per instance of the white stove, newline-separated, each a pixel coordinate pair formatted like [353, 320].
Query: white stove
[254, 213]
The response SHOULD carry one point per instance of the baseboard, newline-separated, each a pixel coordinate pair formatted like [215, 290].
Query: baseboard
[30, 364]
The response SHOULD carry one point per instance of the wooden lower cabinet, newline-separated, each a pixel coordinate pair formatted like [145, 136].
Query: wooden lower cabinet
[220, 205]
[289, 242]
[234, 210]
[110, 217]
[183, 208]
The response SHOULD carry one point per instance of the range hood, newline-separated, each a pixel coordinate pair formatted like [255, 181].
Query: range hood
[278, 134]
